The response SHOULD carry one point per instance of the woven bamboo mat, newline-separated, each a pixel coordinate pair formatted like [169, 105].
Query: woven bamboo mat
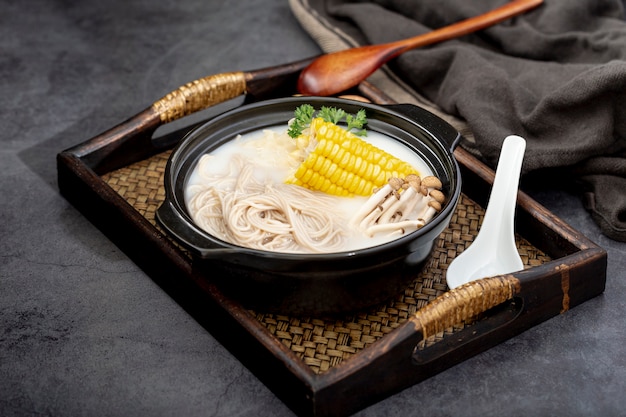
[325, 342]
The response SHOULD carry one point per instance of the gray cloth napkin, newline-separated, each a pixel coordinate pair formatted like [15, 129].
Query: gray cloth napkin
[555, 76]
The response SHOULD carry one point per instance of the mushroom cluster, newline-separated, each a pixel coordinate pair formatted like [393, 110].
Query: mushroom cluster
[400, 206]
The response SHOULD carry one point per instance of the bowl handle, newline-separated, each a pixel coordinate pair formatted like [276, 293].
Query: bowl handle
[430, 121]
[176, 227]
[171, 221]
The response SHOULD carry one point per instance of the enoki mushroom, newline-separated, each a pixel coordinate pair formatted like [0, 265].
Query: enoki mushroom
[238, 208]
[400, 206]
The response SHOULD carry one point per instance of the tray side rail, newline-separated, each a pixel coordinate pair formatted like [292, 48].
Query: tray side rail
[575, 275]
[397, 361]
[170, 268]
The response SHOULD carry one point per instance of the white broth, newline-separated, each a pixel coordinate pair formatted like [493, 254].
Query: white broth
[215, 194]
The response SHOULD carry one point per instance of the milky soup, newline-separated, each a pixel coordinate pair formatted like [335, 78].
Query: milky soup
[240, 193]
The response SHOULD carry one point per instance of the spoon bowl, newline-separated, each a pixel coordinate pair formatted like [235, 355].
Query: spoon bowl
[493, 251]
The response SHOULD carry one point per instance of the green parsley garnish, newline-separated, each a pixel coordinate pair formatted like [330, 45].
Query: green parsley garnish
[331, 114]
[302, 118]
[357, 121]
[305, 113]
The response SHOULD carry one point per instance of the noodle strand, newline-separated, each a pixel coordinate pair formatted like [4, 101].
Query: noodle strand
[236, 207]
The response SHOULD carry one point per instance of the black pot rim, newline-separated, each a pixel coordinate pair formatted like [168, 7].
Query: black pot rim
[206, 245]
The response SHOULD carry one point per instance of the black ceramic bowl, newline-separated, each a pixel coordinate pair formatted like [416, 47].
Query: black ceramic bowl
[311, 283]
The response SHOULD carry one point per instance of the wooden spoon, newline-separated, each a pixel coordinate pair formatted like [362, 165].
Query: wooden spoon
[336, 72]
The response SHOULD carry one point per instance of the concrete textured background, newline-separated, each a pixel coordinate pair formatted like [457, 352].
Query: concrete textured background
[84, 332]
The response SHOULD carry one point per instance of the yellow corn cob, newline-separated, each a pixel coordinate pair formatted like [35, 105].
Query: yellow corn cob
[343, 164]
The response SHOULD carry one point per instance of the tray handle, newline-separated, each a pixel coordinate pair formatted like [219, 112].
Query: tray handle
[132, 139]
[214, 89]
[200, 94]
[464, 303]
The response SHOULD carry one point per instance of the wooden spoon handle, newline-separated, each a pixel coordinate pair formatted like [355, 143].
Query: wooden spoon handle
[336, 72]
[467, 26]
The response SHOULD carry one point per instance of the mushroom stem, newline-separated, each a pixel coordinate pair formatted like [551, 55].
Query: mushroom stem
[406, 202]
[373, 217]
[400, 227]
[375, 201]
[390, 211]
[429, 211]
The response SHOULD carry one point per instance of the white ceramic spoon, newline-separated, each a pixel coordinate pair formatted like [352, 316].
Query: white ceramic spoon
[493, 251]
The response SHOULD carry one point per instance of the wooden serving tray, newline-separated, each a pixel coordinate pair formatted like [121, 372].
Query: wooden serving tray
[323, 366]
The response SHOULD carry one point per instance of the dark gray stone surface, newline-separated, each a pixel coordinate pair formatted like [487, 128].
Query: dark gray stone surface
[84, 332]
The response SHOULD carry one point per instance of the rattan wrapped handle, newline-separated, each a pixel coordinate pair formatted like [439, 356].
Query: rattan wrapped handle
[464, 302]
[132, 139]
[200, 94]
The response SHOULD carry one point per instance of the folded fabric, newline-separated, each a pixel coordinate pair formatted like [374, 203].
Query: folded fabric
[555, 76]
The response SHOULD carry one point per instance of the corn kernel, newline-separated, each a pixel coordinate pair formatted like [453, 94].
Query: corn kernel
[343, 164]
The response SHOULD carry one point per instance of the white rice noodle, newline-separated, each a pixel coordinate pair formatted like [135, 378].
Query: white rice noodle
[240, 209]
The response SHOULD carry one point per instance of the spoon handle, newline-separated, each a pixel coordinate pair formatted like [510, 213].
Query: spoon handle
[500, 213]
[335, 72]
[467, 26]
